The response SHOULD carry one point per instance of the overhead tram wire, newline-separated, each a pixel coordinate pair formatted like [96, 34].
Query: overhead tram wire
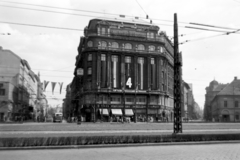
[141, 7]
[213, 26]
[70, 9]
[103, 18]
[33, 25]
[226, 33]
[48, 11]
[112, 18]
[58, 70]
[206, 29]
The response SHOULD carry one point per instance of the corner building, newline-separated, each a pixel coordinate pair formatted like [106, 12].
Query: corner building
[127, 72]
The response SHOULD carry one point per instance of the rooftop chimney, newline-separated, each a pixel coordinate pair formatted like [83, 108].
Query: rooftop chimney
[235, 78]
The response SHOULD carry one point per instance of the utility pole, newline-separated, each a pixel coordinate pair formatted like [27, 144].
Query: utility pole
[177, 81]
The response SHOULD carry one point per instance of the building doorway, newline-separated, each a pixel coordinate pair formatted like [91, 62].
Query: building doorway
[225, 116]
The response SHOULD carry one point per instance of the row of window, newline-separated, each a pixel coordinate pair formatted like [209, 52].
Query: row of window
[143, 100]
[128, 46]
[236, 104]
[2, 92]
[131, 81]
[107, 31]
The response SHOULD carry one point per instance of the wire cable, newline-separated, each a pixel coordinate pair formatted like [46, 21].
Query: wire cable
[34, 25]
[226, 33]
[48, 11]
[141, 7]
[70, 9]
[213, 26]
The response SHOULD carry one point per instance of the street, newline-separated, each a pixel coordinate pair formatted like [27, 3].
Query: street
[228, 151]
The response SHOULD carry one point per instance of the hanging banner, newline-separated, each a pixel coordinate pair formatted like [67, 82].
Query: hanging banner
[60, 84]
[45, 85]
[53, 86]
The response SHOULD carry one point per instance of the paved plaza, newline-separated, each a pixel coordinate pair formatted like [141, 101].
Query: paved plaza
[229, 151]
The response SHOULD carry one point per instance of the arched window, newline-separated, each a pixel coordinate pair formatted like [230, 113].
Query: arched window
[115, 45]
[141, 47]
[128, 46]
[152, 48]
[104, 44]
[90, 44]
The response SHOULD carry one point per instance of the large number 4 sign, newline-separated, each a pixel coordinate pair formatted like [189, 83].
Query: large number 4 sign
[129, 82]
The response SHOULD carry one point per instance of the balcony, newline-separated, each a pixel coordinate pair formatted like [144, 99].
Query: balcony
[130, 36]
[123, 50]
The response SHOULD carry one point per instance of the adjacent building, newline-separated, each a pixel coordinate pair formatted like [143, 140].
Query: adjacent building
[123, 69]
[21, 96]
[222, 101]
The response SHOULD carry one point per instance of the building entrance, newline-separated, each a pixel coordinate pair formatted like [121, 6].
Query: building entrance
[226, 118]
[1, 117]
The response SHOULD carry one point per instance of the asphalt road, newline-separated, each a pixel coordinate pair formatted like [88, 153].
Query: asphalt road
[229, 151]
[90, 129]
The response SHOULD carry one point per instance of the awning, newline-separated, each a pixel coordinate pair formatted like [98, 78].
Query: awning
[116, 111]
[129, 112]
[104, 111]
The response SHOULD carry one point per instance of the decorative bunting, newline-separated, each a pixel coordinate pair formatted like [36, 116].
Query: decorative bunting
[45, 85]
[53, 86]
[60, 84]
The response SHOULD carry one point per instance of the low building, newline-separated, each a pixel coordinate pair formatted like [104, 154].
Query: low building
[225, 105]
[222, 101]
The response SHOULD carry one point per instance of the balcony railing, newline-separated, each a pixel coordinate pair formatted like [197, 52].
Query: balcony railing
[157, 38]
[124, 49]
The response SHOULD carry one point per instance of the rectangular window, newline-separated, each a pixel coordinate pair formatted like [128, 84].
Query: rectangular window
[141, 99]
[153, 74]
[90, 57]
[237, 117]
[129, 99]
[225, 103]
[115, 71]
[103, 71]
[1, 85]
[2, 92]
[115, 99]
[103, 31]
[98, 29]
[141, 73]
[236, 103]
[89, 71]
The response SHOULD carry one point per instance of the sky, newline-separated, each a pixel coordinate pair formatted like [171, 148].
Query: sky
[207, 55]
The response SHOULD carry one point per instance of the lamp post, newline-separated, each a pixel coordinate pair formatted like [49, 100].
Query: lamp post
[79, 74]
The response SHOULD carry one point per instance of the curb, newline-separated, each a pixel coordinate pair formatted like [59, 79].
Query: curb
[117, 145]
